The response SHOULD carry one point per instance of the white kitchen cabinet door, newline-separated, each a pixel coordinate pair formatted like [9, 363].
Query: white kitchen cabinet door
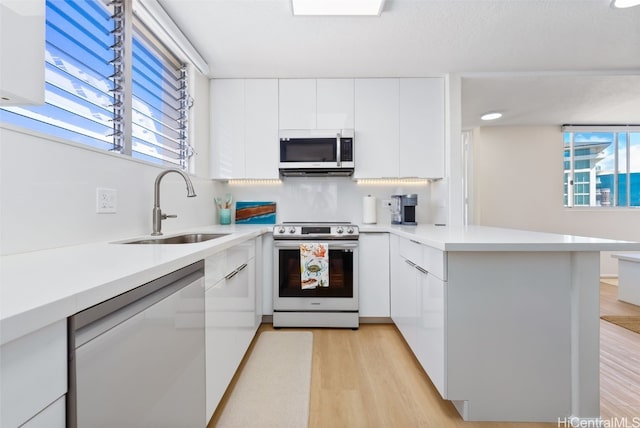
[297, 103]
[430, 335]
[374, 275]
[33, 373]
[22, 43]
[227, 129]
[335, 100]
[261, 128]
[244, 128]
[232, 306]
[422, 127]
[54, 416]
[376, 128]
[404, 292]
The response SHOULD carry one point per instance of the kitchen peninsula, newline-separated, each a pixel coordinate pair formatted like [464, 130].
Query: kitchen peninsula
[505, 322]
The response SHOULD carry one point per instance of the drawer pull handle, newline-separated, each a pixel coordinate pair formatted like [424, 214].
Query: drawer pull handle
[244, 265]
[232, 274]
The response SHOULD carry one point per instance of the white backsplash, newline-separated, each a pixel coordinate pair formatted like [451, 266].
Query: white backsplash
[333, 199]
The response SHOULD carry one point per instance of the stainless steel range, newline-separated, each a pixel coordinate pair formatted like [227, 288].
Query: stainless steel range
[315, 275]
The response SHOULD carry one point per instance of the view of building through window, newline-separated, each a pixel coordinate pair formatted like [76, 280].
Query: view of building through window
[602, 169]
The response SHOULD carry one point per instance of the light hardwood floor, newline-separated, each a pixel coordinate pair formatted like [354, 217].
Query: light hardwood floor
[369, 378]
[619, 360]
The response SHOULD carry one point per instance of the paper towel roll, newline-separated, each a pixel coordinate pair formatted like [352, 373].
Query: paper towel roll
[369, 209]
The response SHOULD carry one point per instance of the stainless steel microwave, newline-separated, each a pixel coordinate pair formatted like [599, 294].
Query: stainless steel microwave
[316, 152]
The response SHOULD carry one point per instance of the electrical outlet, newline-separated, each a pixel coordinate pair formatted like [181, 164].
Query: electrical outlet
[106, 200]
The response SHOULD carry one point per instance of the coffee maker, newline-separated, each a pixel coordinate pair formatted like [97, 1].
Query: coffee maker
[403, 209]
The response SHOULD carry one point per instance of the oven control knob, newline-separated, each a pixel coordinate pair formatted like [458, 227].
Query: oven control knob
[292, 230]
[339, 230]
[350, 230]
[281, 230]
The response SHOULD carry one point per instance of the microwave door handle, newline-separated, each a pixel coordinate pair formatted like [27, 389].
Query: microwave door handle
[339, 155]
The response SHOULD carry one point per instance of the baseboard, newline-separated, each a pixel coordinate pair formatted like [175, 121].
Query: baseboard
[375, 320]
[268, 319]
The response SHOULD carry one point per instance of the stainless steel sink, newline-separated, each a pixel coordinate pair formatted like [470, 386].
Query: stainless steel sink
[189, 238]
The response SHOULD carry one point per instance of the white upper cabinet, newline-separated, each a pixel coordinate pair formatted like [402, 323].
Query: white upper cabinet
[297, 104]
[22, 30]
[227, 128]
[261, 128]
[334, 104]
[244, 128]
[316, 104]
[399, 127]
[422, 127]
[376, 125]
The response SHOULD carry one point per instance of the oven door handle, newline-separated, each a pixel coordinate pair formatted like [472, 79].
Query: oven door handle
[331, 245]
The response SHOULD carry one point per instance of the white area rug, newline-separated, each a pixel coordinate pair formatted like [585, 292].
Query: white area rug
[275, 385]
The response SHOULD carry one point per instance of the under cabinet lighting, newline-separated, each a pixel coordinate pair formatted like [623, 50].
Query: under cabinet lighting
[337, 7]
[394, 181]
[622, 4]
[253, 182]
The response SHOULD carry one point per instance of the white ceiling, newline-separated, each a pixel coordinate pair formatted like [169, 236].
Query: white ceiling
[540, 61]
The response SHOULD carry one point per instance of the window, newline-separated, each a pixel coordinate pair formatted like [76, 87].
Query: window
[160, 101]
[85, 101]
[602, 167]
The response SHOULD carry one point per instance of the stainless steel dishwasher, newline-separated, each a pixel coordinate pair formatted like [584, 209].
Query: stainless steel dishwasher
[137, 360]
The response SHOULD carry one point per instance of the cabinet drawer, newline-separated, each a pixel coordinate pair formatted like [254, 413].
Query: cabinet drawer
[235, 292]
[428, 258]
[222, 264]
[411, 250]
[33, 370]
[433, 261]
[240, 254]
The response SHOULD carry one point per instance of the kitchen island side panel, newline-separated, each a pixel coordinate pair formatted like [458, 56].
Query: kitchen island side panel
[509, 334]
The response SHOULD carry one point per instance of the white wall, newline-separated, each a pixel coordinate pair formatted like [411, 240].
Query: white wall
[48, 190]
[517, 183]
[330, 199]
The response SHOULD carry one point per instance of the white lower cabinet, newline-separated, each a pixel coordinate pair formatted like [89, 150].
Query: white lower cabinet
[418, 305]
[33, 374]
[373, 276]
[430, 332]
[233, 314]
[54, 416]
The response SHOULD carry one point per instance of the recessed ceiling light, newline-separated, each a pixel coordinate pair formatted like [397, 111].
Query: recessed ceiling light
[621, 4]
[337, 7]
[491, 116]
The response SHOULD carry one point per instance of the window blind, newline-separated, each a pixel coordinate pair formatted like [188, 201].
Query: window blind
[90, 57]
[160, 102]
[78, 74]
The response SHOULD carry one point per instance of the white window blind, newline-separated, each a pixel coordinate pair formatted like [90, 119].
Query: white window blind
[79, 63]
[160, 101]
[86, 99]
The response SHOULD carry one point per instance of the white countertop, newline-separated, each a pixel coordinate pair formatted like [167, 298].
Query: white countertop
[628, 257]
[41, 287]
[484, 238]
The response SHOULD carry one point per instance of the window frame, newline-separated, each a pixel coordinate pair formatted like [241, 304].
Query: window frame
[570, 183]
